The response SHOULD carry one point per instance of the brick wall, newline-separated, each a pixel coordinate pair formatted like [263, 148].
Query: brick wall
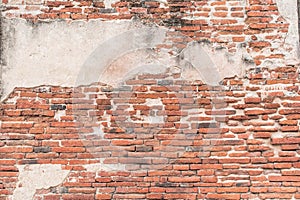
[233, 147]
[159, 135]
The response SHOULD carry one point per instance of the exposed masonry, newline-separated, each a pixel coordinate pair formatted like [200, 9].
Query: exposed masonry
[237, 140]
[201, 101]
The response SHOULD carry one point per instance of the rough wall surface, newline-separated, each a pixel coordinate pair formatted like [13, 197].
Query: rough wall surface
[240, 33]
[149, 100]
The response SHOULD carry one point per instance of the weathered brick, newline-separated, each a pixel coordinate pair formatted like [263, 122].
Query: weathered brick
[284, 178]
[215, 142]
[184, 179]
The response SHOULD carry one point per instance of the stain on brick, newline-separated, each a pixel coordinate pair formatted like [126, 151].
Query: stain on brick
[42, 149]
[58, 107]
[29, 162]
[144, 148]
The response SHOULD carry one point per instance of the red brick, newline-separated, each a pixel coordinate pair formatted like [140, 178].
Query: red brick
[274, 178]
[223, 196]
[254, 112]
[78, 196]
[184, 179]
[289, 128]
[285, 140]
[52, 197]
[282, 165]
[234, 160]
[68, 149]
[17, 125]
[209, 179]
[71, 10]
[254, 100]
[233, 190]
[180, 196]
[283, 189]
[290, 172]
[220, 14]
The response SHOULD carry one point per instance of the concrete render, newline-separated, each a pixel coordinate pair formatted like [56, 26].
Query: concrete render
[76, 53]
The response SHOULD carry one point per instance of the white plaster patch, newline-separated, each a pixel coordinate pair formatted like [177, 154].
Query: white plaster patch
[80, 52]
[288, 9]
[153, 102]
[98, 131]
[131, 63]
[51, 53]
[126, 54]
[212, 66]
[108, 3]
[33, 177]
[59, 114]
[154, 117]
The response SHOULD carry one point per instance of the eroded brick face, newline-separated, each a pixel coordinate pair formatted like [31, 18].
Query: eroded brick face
[206, 143]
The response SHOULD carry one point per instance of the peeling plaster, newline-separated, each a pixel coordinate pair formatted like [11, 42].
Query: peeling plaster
[77, 53]
[1, 48]
[71, 51]
[33, 177]
[214, 65]
[196, 62]
[288, 10]
[52, 53]
[130, 42]
[108, 3]
[59, 114]
[133, 63]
